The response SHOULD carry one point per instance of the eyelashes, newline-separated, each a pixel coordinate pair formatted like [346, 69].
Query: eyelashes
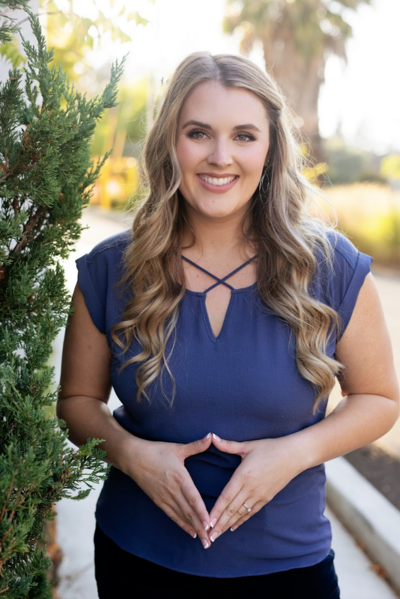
[198, 134]
[248, 136]
[195, 134]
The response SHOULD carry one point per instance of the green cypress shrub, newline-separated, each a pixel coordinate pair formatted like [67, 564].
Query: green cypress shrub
[46, 176]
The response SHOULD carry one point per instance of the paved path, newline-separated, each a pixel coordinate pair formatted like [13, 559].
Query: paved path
[75, 521]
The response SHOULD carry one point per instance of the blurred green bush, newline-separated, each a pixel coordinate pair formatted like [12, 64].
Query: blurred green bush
[369, 214]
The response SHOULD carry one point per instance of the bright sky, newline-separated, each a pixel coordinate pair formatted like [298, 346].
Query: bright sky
[364, 96]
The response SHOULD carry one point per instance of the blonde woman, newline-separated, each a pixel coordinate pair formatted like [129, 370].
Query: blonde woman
[221, 321]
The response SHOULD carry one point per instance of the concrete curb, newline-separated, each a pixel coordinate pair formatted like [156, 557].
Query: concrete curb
[368, 515]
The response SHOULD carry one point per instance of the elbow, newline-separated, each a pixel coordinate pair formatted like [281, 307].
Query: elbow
[59, 411]
[396, 402]
[393, 409]
[60, 408]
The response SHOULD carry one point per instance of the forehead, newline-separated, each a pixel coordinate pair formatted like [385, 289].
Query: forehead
[212, 102]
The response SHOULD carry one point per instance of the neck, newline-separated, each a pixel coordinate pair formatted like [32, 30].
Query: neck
[215, 237]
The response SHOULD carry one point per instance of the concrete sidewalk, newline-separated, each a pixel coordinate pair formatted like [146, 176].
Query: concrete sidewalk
[75, 522]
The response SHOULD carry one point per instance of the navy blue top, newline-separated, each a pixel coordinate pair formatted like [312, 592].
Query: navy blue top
[242, 385]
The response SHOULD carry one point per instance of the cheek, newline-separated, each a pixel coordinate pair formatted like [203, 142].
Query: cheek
[254, 164]
[188, 157]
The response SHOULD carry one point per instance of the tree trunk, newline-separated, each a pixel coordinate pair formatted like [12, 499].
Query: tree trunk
[300, 80]
[53, 551]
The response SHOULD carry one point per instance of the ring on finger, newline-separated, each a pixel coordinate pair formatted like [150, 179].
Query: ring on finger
[246, 507]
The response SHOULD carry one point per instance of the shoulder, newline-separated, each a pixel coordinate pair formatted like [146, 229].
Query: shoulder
[340, 273]
[99, 272]
[337, 256]
[342, 249]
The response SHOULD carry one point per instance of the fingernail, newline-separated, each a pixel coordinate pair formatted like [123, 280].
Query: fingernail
[208, 436]
[194, 536]
[206, 527]
[233, 528]
[213, 522]
[214, 536]
[205, 544]
[216, 437]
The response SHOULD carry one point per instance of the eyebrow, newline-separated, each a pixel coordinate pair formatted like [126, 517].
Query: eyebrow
[206, 126]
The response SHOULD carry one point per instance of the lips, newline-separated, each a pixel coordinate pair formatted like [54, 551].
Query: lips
[217, 184]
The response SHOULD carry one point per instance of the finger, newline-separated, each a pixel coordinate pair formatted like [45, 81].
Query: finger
[229, 446]
[256, 508]
[246, 511]
[227, 502]
[192, 519]
[176, 517]
[231, 514]
[198, 446]
[196, 505]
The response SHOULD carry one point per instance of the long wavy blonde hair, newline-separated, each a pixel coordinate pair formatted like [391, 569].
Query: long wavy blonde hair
[286, 236]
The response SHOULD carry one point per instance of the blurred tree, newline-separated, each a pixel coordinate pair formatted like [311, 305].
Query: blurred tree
[349, 164]
[297, 37]
[125, 126]
[390, 169]
[73, 36]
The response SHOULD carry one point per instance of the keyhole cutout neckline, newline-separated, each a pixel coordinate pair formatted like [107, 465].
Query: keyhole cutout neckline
[219, 281]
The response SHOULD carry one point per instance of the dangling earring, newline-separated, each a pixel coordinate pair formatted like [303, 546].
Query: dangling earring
[263, 192]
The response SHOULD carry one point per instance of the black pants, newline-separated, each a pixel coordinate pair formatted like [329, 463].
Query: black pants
[121, 575]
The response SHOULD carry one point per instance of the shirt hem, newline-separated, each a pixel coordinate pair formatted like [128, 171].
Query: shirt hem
[305, 562]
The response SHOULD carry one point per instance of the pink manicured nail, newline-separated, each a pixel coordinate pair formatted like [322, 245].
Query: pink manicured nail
[233, 528]
[205, 544]
[208, 436]
[216, 437]
[214, 536]
[194, 536]
[205, 524]
[213, 522]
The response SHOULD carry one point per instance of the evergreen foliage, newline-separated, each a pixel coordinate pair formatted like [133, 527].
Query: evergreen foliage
[46, 176]
[8, 26]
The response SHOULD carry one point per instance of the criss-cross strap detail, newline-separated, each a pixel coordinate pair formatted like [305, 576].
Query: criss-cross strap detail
[223, 280]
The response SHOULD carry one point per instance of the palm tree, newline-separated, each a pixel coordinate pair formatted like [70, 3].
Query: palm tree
[297, 38]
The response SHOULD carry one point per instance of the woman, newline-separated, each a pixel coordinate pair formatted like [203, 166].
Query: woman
[221, 325]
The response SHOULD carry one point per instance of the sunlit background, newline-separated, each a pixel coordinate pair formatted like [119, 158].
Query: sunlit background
[360, 100]
[346, 96]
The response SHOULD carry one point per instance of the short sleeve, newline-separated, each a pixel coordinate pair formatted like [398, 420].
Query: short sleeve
[98, 271]
[350, 267]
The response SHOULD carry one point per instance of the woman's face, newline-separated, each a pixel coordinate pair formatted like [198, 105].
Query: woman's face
[222, 144]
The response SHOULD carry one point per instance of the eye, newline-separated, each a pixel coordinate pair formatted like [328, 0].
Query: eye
[245, 137]
[197, 134]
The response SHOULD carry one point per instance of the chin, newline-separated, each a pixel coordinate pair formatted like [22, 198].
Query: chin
[215, 213]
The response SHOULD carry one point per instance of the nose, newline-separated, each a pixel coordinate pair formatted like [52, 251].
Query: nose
[220, 154]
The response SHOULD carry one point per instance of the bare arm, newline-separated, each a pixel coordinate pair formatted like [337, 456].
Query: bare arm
[86, 386]
[371, 403]
[158, 468]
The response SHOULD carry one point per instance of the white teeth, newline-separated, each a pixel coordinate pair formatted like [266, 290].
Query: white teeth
[215, 181]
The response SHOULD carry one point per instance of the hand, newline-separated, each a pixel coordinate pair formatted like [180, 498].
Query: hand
[267, 467]
[159, 470]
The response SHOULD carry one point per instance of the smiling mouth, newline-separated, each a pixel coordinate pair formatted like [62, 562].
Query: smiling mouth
[218, 181]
